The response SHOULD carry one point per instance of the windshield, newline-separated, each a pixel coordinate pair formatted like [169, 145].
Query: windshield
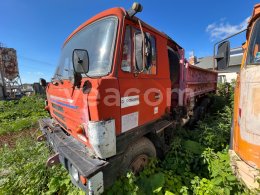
[98, 39]
[253, 56]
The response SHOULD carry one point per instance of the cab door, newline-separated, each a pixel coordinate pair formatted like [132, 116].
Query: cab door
[141, 90]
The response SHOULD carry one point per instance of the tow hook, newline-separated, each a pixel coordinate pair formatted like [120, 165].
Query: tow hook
[41, 138]
[53, 160]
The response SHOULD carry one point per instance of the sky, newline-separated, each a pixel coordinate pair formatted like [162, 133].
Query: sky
[37, 29]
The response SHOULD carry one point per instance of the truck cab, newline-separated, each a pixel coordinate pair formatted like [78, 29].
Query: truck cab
[245, 132]
[120, 84]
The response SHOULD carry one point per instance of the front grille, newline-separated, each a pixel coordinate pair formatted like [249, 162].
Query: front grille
[58, 115]
[56, 107]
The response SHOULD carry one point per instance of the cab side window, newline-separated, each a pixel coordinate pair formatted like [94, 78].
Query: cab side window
[253, 56]
[153, 63]
[174, 62]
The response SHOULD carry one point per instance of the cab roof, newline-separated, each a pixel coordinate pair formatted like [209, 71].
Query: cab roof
[120, 13]
[255, 15]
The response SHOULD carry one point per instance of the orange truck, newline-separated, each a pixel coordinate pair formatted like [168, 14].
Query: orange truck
[120, 88]
[245, 132]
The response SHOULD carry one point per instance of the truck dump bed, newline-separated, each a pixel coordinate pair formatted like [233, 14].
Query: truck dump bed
[197, 82]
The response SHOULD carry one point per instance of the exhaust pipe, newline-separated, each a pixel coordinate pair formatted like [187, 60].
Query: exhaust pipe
[136, 7]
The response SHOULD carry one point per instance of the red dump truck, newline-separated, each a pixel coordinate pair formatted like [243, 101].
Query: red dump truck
[120, 88]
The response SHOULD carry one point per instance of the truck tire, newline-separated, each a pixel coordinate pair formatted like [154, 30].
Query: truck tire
[137, 155]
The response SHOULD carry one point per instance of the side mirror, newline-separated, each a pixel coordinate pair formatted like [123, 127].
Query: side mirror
[148, 50]
[43, 82]
[139, 52]
[143, 50]
[223, 55]
[80, 61]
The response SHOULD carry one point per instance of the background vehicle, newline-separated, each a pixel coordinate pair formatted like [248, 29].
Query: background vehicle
[245, 134]
[119, 85]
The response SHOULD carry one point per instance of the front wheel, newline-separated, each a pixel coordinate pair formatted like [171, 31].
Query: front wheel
[137, 155]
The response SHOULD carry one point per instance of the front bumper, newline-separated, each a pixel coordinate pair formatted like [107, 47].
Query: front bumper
[73, 153]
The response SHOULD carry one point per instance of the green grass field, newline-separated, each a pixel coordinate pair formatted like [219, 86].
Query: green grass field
[198, 162]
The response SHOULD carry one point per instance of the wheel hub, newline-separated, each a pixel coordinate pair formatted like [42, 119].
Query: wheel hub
[139, 163]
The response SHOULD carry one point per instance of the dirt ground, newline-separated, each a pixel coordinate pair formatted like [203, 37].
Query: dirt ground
[10, 139]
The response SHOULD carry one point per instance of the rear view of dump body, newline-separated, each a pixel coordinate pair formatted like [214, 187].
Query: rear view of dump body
[119, 86]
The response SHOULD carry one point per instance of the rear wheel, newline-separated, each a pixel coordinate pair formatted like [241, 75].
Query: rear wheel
[137, 155]
[199, 112]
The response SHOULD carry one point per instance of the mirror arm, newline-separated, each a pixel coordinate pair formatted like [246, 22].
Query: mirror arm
[77, 79]
[214, 49]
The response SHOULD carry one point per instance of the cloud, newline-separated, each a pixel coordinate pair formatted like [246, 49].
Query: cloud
[40, 73]
[36, 73]
[191, 53]
[222, 29]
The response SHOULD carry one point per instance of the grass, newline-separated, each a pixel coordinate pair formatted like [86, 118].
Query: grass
[21, 114]
[198, 162]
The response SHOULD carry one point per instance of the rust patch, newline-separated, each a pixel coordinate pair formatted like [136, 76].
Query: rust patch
[256, 100]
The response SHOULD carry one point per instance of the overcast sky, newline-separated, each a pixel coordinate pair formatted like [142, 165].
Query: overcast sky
[37, 29]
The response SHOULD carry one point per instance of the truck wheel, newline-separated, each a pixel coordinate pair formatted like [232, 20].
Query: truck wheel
[137, 156]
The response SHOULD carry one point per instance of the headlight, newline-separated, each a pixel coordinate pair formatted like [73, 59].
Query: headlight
[74, 173]
[51, 142]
